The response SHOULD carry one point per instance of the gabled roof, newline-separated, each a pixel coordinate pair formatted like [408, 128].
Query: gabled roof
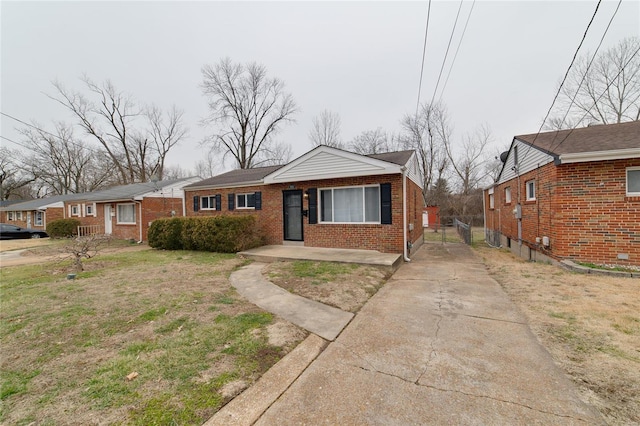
[41, 203]
[131, 191]
[325, 162]
[597, 138]
[398, 157]
[236, 177]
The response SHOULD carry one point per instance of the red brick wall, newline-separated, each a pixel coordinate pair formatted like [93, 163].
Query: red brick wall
[385, 238]
[581, 207]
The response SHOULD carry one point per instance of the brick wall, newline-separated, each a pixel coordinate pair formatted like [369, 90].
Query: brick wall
[581, 207]
[385, 238]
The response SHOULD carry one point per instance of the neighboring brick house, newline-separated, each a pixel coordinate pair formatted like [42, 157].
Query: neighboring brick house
[325, 198]
[570, 194]
[35, 213]
[127, 211]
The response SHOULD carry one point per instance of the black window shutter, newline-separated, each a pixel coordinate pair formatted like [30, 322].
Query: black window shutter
[258, 198]
[218, 202]
[313, 205]
[232, 201]
[196, 203]
[385, 203]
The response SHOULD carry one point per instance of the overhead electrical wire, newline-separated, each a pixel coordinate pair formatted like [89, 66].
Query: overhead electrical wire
[464, 30]
[575, 55]
[444, 61]
[601, 95]
[424, 52]
[584, 76]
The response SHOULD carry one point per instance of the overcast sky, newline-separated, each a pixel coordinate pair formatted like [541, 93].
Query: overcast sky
[359, 59]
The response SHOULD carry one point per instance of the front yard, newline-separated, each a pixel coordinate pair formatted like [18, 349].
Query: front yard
[140, 337]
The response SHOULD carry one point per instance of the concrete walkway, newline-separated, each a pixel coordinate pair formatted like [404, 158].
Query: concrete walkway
[440, 343]
[318, 318]
[293, 252]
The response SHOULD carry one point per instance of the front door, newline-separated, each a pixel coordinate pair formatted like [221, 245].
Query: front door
[292, 210]
[107, 219]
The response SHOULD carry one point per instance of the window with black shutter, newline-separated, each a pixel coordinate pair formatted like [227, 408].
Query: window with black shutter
[258, 200]
[196, 203]
[232, 201]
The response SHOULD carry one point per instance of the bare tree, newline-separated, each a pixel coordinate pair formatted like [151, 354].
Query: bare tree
[84, 247]
[278, 153]
[208, 166]
[373, 142]
[61, 163]
[469, 163]
[606, 90]
[14, 179]
[135, 139]
[428, 133]
[248, 109]
[326, 130]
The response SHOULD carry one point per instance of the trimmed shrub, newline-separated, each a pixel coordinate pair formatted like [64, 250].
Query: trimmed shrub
[166, 234]
[63, 228]
[221, 234]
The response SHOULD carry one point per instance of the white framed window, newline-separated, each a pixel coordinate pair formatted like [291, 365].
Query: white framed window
[208, 202]
[88, 210]
[530, 186]
[357, 204]
[10, 216]
[18, 215]
[246, 201]
[492, 200]
[74, 211]
[38, 218]
[507, 195]
[633, 181]
[126, 214]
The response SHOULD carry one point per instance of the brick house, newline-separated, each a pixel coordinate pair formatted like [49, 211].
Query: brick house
[570, 194]
[325, 198]
[127, 211]
[35, 213]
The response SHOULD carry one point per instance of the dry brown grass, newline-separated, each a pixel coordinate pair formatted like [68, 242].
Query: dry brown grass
[590, 324]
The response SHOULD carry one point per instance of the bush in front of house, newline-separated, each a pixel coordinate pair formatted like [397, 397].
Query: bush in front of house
[63, 228]
[166, 234]
[221, 234]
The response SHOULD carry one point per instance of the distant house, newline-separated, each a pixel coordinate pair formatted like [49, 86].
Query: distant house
[325, 198]
[570, 194]
[126, 211]
[35, 213]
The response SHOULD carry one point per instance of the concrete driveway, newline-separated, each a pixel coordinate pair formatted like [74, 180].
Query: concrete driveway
[440, 343]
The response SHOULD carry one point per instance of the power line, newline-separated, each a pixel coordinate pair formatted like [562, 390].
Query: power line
[600, 97]
[584, 36]
[457, 49]
[424, 52]
[28, 124]
[446, 52]
[586, 71]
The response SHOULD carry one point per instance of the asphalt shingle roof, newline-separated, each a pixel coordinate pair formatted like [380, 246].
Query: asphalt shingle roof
[235, 177]
[605, 137]
[39, 203]
[128, 192]
[397, 157]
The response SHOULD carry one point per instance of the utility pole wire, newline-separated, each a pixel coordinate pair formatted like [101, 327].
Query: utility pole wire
[424, 51]
[464, 30]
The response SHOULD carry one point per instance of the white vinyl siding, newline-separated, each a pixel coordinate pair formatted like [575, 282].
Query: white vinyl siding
[360, 204]
[633, 182]
[126, 214]
[529, 158]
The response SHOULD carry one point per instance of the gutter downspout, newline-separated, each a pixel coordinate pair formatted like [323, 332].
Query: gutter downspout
[184, 203]
[404, 213]
[140, 226]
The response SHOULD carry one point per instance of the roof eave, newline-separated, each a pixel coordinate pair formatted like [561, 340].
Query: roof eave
[226, 185]
[583, 157]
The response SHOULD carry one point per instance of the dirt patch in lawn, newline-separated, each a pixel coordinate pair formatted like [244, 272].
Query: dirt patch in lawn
[342, 285]
[590, 324]
[139, 337]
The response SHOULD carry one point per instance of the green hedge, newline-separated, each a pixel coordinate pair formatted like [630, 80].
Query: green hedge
[63, 228]
[221, 234]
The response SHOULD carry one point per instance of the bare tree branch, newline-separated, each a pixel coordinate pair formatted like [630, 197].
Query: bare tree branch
[326, 130]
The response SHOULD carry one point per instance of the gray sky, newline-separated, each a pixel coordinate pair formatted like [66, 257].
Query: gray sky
[358, 59]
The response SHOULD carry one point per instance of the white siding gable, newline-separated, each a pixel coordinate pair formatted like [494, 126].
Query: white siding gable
[169, 191]
[529, 158]
[414, 172]
[326, 163]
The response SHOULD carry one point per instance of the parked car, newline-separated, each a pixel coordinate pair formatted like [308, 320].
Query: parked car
[12, 232]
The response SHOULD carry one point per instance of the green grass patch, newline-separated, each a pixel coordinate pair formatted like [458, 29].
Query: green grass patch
[320, 271]
[15, 382]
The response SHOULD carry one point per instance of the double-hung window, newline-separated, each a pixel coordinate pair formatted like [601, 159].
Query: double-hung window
[492, 202]
[88, 210]
[38, 218]
[208, 202]
[530, 186]
[246, 201]
[75, 211]
[10, 216]
[507, 195]
[126, 214]
[633, 182]
[359, 204]
[18, 215]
